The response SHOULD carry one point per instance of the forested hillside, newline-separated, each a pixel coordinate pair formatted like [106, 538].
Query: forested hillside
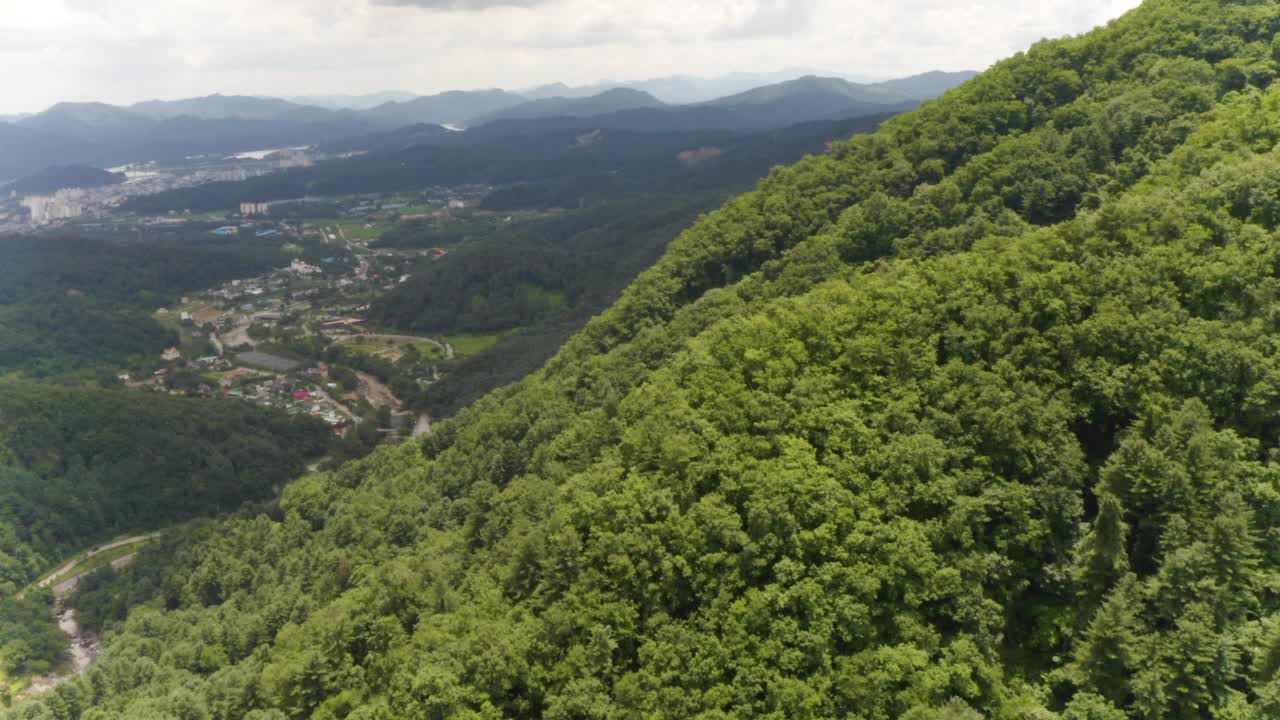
[971, 417]
[80, 465]
[70, 304]
[546, 279]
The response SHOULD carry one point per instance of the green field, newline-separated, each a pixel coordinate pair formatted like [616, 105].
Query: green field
[358, 231]
[465, 345]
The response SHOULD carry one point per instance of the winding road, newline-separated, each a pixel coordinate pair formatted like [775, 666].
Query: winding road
[97, 550]
[83, 645]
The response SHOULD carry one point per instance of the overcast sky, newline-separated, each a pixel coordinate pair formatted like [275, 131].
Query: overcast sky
[123, 51]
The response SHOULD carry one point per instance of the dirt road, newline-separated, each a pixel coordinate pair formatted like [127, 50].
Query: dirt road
[378, 394]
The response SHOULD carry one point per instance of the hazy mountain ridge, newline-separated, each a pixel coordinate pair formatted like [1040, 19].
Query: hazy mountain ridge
[53, 179]
[103, 134]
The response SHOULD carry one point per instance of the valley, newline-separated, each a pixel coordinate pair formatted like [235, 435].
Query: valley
[372, 315]
[946, 398]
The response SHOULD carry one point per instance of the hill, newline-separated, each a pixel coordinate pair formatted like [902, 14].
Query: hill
[86, 121]
[107, 135]
[925, 85]
[609, 101]
[459, 108]
[398, 139]
[970, 417]
[52, 179]
[27, 150]
[812, 85]
[215, 107]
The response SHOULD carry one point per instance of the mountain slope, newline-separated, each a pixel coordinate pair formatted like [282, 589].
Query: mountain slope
[449, 108]
[53, 179]
[26, 150]
[609, 101]
[925, 85]
[812, 85]
[214, 107]
[968, 418]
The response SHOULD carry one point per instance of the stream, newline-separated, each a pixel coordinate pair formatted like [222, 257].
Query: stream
[83, 645]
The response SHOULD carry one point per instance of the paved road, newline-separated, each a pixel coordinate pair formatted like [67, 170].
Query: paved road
[83, 645]
[57, 574]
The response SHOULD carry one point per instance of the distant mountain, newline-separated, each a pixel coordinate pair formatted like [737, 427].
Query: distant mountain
[675, 89]
[811, 86]
[25, 150]
[53, 179]
[449, 108]
[216, 107]
[421, 134]
[926, 85]
[784, 104]
[105, 135]
[606, 102]
[697, 158]
[561, 90]
[353, 102]
[87, 121]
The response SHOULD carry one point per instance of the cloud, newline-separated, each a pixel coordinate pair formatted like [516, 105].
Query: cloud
[127, 50]
[463, 5]
[771, 17]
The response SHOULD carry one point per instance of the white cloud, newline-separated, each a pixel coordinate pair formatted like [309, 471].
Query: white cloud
[127, 50]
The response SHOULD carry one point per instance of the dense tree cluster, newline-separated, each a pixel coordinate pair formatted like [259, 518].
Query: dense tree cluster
[29, 642]
[538, 271]
[549, 277]
[77, 466]
[71, 304]
[973, 417]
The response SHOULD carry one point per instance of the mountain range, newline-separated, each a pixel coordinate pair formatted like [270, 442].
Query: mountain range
[104, 135]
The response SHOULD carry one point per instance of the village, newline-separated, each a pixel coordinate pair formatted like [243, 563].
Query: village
[296, 338]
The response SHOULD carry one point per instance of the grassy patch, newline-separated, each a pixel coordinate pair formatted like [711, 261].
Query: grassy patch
[473, 344]
[358, 231]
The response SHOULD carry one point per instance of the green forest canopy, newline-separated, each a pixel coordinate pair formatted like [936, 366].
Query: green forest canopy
[69, 304]
[972, 417]
[78, 466]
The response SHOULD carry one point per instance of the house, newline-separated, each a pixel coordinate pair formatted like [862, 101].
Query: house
[299, 267]
[171, 354]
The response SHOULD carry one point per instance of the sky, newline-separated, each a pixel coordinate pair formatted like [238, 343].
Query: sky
[123, 51]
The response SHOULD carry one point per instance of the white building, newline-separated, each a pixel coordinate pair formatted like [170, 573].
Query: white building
[63, 205]
[299, 267]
